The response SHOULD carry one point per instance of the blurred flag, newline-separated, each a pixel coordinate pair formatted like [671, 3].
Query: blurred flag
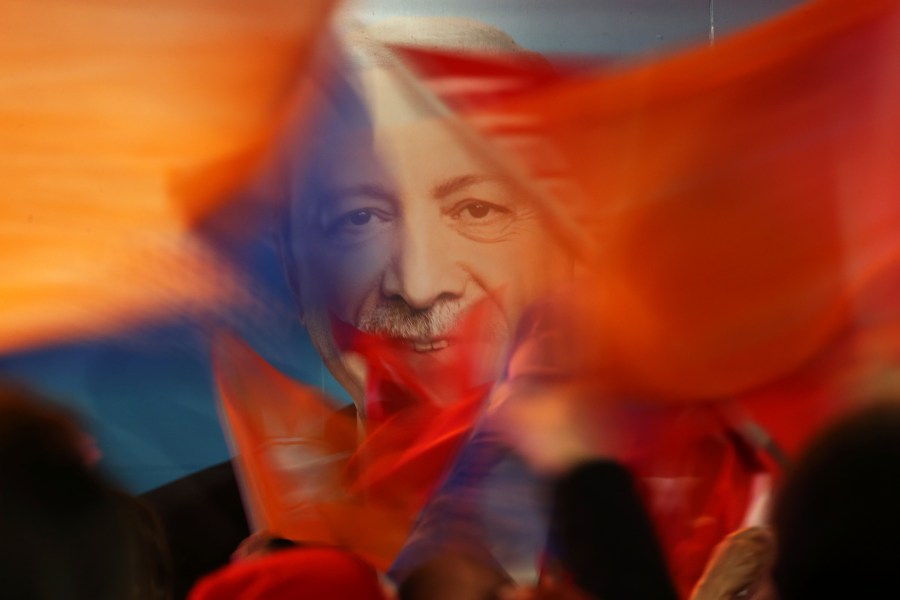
[314, 473]
[122, 125]
[735, 200]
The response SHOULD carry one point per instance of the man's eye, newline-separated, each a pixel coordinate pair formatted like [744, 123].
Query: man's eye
[481, 220]
[478, 210]
[359, 217]
[355, 223]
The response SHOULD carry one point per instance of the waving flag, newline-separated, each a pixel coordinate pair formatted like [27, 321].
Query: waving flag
[122, 125]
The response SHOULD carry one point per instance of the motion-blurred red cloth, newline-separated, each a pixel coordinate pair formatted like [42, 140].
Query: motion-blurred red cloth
[733, 198]
[740, 204]
[314, 473]
[742, 211]
[309, 573]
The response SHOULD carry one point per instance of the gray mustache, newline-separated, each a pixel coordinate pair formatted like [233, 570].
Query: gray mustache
[397, 319]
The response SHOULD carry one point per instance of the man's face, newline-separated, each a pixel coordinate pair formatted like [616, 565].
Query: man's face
[410, 240]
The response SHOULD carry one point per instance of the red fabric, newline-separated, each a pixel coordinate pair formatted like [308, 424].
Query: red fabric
[362, 493]
[727, 201]
[734, 207]
[307, 573]
[708, 470]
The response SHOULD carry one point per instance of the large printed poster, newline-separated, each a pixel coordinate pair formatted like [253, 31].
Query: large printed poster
[404, 243]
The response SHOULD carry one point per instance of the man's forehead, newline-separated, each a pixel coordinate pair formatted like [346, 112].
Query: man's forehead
[398, 137]
[429, 164]
[383, 110]
[389, 100]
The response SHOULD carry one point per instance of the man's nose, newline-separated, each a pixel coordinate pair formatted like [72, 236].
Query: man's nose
[424, 267]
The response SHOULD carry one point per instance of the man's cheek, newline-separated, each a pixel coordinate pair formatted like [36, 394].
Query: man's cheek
[515, 272]
[351, 278]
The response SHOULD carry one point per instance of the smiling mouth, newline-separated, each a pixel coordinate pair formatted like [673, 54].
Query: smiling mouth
[427, 345]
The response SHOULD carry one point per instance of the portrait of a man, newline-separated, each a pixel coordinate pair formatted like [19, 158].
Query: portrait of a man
[408, 229]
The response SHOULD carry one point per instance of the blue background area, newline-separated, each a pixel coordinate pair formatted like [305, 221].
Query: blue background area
[148, 395]
[612, 28]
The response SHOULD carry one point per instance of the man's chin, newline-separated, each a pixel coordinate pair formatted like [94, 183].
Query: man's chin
[452, 368]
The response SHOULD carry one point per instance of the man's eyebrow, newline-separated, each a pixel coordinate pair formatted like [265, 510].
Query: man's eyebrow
[368, 190]
[445, 188]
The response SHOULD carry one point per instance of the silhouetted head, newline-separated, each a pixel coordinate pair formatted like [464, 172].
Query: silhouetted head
[60, 534]
[837, 518]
